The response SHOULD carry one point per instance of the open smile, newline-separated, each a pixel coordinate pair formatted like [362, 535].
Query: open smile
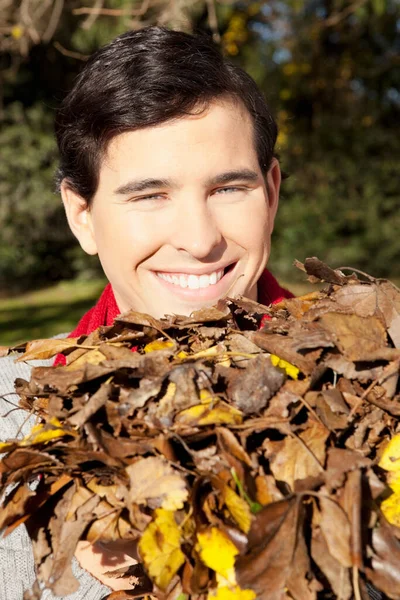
[206, 286]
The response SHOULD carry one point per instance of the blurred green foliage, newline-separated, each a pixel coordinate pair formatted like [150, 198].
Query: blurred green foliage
[33, 236]
[329, 69]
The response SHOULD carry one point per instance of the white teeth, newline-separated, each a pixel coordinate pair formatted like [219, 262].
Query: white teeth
[193, 282]
[205, 280]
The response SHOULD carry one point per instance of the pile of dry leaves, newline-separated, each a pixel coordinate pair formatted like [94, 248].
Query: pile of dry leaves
[243, 462]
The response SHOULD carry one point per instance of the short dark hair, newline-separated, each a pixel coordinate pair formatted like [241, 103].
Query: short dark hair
[141, 79]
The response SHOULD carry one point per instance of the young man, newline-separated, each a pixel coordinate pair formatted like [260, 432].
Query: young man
[167, 171]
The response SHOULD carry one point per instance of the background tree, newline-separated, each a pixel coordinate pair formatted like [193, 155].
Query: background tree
[329, 69]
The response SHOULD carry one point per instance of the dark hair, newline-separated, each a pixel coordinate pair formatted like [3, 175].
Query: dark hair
[141, 79]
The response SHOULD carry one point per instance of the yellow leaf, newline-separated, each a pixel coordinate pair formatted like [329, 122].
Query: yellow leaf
[218, 553]
[169, 394]
[160, 548]
[391, 509]
[239, 509]
[39, 434]
[91, 357]
[206, 414]
[17, 32]
[158, 345]
[212, 351]
[290, 369]
[231, 593]
[206, 397]
[6, 446]
[390, 459]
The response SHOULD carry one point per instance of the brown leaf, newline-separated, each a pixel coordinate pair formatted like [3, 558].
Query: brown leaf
[301, 584]
[250, 390]
[380, 299]
[44, 349]
[206, 315]
[282, 346]
[337, 575]
[335, 528]
[94, 403]
[338, 363]
[385, 572]
[267, 565]
[300, 457]
[340, 461]
[359, 339]
[54, 564]
[300, 305]
[228, 442]
[316, 268]
[16, 505]
[185, 394]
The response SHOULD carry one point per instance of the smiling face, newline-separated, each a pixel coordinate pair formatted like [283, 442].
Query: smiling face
[182, 215]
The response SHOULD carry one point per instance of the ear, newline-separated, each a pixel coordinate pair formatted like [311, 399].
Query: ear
[79, 218]
[274, 184]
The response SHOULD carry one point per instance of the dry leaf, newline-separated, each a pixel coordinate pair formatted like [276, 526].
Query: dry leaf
[160, 548]
[301, 456]
[153, 482]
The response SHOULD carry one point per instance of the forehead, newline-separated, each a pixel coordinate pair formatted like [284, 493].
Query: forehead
[222, 135]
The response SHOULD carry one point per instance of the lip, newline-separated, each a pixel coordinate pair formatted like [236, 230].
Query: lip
[210, 293]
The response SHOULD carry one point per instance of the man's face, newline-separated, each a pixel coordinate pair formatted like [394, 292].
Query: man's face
[182, 215]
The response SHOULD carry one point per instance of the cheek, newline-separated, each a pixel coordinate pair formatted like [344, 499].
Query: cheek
[247, 224]
[122, 228]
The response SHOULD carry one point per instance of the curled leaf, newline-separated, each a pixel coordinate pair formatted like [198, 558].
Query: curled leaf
[239, 509]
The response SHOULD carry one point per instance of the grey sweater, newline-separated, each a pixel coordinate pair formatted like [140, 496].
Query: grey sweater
[17, 572]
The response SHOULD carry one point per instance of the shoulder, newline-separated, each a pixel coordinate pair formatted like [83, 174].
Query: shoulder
[14, 420]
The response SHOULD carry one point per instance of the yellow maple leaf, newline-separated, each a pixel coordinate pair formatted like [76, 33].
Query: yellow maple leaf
[218, 553]
[290, 369]
[239, 509]
[231, 593]
[160, 548]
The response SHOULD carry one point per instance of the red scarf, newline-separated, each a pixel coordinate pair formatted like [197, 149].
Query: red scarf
[106, 309]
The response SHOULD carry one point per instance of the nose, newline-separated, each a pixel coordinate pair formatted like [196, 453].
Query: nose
[197, 230]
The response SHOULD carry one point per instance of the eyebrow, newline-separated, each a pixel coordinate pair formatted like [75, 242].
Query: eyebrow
[141, 185]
